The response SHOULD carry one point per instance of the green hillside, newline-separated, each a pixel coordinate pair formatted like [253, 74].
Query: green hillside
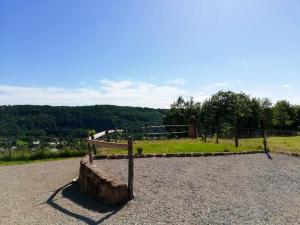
[29, 120]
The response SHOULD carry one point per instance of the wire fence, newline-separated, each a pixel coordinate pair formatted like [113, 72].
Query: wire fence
[162, 132]
[246, 133]
[44, 147]
[27, 148]
[148, 133]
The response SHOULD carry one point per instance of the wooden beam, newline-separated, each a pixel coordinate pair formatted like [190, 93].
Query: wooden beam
[105, 144]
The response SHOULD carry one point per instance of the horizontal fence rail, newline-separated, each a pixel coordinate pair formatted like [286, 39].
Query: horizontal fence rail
[105, 144]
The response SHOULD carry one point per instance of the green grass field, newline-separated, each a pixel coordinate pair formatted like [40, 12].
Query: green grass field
[291, 144]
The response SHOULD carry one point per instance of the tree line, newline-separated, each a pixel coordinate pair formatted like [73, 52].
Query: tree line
[222, 110]
[40, 121]
[237, 110]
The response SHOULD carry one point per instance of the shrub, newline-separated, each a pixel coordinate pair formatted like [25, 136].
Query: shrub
[140, 150]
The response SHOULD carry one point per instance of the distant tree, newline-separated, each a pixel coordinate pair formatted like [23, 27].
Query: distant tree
[207, 117]
[240, 112]
[282, 115]
[181, 111]
[296, 110]
[265, 113]
[221, 103]
[35, 121]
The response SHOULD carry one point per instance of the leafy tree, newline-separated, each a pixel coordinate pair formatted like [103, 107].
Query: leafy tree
[207, 118]
[265, 113]
[222, 106]
[282, 115]
[240, 107]
[181, 111]
[296, 110]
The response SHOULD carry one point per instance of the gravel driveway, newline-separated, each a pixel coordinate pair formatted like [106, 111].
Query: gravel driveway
[244, 189]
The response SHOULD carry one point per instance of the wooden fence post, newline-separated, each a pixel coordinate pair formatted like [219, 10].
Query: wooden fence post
[146, 134]
[93, 146]
[42, 147]
[191, 131]
[125, 133]
[106, 135]
[130, 168]
[115, 136]
[265, 140]
[90, 153]
[9, 149]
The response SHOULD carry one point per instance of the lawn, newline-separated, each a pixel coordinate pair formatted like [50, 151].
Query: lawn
[20, 157]
[291, 144]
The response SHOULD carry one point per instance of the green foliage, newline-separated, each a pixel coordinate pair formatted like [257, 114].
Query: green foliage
[283, 115]
[91, 133]
[140, 150]
[230, 109]
[224, 109]
[181, 111]
[39, 121]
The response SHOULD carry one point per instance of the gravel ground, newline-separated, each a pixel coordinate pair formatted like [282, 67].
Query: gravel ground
[242, 189]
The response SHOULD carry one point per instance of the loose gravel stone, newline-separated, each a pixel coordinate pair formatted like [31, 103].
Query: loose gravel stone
[241, 189]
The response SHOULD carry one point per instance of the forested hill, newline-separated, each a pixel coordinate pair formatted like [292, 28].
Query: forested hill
[38, 121]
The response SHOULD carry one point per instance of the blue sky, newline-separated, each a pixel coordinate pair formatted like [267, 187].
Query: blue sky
[146, 53]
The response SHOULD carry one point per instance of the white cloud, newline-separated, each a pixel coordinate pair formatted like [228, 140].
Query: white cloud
[109, 92]
[286, 86]
[125, 92]
[177, 81]
[221, 84]
[215, 86]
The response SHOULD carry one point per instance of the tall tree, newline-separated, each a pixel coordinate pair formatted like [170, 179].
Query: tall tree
[181, 111]
[282, 115]
[221, 103]
[240, 107]
[207, 118]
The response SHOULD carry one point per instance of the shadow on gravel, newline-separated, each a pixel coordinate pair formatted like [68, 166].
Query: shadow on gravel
[72, 192]
[269, 156]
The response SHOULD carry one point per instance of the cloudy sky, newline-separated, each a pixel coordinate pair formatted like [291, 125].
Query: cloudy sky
[147, 53]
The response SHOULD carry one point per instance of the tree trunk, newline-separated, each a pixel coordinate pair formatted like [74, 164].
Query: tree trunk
[264, 129]
[9, 150]
[218, 131]
[42, 148]
[236, 134]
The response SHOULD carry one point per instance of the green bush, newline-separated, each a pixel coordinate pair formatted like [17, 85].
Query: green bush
[140, 150]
